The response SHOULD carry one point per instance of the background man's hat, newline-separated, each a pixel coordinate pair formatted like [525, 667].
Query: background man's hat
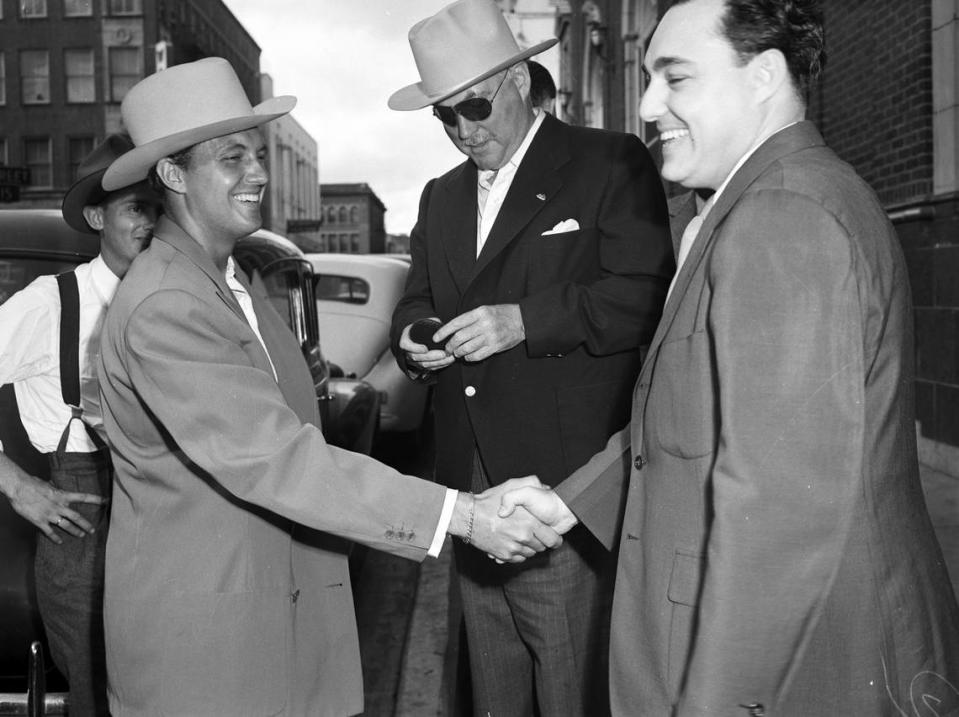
[88, 190]
[462, 44]
[182, 106]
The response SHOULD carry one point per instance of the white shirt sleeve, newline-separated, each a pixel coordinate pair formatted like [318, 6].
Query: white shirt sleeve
[446, 515]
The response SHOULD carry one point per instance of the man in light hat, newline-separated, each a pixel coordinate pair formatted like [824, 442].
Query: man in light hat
[546, 256]
[53, 319]
[223, 596]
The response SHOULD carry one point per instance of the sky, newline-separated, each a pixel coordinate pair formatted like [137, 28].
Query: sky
[342, 59]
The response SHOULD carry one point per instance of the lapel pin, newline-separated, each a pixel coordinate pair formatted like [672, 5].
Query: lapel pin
[541, 197]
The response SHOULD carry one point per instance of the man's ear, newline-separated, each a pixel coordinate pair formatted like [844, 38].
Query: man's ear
[171, 175]
[770, 73]
[520, 73]
[93, 213]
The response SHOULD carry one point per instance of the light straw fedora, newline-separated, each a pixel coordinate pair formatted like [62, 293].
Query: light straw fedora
[182, 106]
[462, 44]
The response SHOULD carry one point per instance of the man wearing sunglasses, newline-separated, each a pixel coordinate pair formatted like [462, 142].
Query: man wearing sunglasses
[545, 256]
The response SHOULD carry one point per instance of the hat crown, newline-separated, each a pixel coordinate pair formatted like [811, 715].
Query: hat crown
[103, 155]
[183, 97]
[461, 41]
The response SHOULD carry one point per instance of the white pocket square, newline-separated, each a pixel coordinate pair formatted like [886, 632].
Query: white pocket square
[567, 225]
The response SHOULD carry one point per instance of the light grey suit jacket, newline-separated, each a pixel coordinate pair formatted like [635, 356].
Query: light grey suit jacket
[222, 598]
[774, 546]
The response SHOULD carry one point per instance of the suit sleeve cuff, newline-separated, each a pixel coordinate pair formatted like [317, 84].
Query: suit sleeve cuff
[446, 515]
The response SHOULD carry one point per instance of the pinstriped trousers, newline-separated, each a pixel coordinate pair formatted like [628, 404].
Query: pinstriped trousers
[538, 632]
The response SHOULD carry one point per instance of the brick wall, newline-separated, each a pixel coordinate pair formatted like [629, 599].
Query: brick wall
[875, 108]
[874, 104]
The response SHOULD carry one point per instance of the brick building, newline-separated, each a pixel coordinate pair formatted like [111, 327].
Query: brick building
[888, 103]
[65, 66]
[352, 219]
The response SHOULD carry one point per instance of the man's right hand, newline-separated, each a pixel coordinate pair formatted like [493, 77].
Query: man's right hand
[421, 357]
[42, 504]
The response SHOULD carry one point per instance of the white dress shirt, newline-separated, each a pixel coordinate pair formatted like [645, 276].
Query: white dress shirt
[30, 355]
[493, 185]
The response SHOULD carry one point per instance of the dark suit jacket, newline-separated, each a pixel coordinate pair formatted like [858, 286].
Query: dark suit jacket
[589, 299]
[775, 547]
[217, 602]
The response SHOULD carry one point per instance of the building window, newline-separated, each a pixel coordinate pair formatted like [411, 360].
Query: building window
[354, 214]
[3, 76]
[3, 151]
[78, 147]
[331, 215]
[355, 243]
[126, 7]
[125, 71]
[342, 215]
[39, 161]
[77, 8]
[80, 77]
[33, 8]
[35, 77]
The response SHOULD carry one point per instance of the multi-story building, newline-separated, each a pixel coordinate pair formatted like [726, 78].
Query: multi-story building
[352, 219]
[888, 103]
[292, 204]
[65, 66]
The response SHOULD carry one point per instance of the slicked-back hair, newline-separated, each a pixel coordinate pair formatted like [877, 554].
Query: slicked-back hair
[794, 27]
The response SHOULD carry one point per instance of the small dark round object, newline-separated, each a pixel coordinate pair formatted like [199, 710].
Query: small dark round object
[422, 330]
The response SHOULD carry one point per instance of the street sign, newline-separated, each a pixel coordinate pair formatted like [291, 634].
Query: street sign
[15, 175]
[9, 193]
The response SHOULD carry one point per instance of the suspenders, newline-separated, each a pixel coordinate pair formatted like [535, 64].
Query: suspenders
[70, 355]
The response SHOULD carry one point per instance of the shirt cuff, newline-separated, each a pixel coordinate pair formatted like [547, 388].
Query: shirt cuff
[446, 515]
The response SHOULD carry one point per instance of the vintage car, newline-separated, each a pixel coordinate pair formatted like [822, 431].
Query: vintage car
[355, 298]
[38, 241]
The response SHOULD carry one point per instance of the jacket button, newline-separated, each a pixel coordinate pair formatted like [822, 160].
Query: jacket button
[294, 596]
[470, 391]
[639, 462]
[754, 709]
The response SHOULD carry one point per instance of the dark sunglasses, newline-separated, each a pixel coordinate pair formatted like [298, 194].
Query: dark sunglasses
[474, 109]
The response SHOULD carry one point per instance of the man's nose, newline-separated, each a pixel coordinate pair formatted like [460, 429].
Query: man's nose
[464, 128]
[651, 105]
[257, 172]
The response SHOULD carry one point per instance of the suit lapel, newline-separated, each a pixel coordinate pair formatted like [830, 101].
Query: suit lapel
[792, 139]
[536, 182]
[459, 224]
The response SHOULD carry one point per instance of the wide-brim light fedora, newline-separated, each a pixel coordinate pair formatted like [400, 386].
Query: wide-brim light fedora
[181, 106]
[462, 44]
[88, 189]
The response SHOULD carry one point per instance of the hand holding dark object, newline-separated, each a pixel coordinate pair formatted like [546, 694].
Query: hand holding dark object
[422, 330]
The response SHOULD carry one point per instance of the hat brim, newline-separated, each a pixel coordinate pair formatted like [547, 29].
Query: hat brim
[135, 165]
[83, 193]
[412, 97]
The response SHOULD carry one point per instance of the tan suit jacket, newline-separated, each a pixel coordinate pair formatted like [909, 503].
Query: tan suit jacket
[221, 599]
[775, 548]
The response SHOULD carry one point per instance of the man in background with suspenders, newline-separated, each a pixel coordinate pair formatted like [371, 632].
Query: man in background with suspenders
[49, 341]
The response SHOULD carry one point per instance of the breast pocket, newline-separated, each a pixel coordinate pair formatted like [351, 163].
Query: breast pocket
[680, 413]
[567, 256]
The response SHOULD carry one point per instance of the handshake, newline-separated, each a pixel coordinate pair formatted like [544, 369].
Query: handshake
[512, 521]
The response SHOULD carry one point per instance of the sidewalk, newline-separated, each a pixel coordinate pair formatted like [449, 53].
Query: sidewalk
[422, 687]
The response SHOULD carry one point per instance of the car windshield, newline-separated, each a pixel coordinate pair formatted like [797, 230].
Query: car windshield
[348, 289]
[17, 273]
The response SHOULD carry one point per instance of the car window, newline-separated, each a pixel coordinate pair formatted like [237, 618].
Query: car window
[17, 273]
[348, 289]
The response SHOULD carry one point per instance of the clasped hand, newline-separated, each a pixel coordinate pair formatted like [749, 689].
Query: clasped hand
[515, 520]
[472, 336]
